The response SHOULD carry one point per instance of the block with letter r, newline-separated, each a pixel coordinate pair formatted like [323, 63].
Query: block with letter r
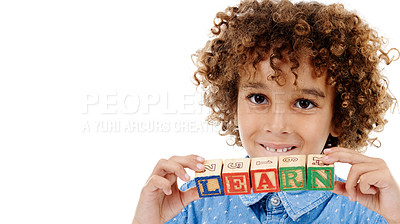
[292, 173]
[209, 182]
[320, 176]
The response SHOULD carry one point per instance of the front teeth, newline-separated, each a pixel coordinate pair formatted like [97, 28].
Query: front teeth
[278, 150]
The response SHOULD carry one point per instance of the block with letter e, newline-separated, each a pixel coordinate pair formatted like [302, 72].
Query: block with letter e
[292, 173]
[209, 182]
[235, 176]
[320, 176]
[264, 174]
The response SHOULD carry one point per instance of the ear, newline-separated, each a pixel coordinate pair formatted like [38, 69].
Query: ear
[335, 131]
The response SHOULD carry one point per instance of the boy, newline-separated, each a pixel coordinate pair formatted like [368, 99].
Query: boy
[285, 79]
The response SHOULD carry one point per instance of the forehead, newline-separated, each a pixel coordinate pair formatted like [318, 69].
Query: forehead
[301, 73]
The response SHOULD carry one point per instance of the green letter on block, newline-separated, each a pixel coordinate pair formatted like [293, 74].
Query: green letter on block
[320, 178]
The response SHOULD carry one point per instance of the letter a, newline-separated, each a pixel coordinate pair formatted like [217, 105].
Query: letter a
[265, 182]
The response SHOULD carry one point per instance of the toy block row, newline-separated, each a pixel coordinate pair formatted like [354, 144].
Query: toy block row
[267, 174]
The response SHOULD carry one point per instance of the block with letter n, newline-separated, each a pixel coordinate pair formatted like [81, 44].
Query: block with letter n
[209, 182]
[292, 173]
[264, 174]
[235, 176]
[320, 176]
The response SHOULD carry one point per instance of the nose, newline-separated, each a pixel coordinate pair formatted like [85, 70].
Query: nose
[277, 122]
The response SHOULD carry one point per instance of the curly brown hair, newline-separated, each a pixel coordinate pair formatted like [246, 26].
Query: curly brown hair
[339, 41]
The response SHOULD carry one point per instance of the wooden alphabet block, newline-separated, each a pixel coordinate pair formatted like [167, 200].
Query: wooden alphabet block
[320, 176]
[292, 173]
[235, 175]
[264, 174]
[209, 182]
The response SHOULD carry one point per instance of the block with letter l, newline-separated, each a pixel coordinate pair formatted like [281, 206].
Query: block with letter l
[235, 176]
[320, 176]
[292, 173]
[209, 182]
[264, 174]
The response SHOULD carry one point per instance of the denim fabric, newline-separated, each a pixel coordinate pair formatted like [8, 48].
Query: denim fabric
[279, 207]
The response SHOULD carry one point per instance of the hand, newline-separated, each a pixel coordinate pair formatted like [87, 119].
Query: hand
[369, 182]
[161, 199]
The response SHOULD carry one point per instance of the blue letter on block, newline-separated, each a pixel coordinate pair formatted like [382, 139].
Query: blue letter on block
[209, 186]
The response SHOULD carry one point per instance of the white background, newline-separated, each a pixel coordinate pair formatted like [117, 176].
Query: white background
[67, 66]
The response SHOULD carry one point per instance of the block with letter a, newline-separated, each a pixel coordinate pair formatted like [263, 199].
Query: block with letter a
[235, 175]
[264, 174]
[292, 173]
[209, 182]
[320, 176]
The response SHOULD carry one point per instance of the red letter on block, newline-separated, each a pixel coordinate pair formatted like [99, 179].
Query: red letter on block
[236, 184]
[235, 176]
[264, 174]
[265, 181]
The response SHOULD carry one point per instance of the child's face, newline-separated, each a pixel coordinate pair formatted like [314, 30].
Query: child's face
[278, 120]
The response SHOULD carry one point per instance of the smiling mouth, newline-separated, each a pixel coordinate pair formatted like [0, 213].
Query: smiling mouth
[278, 150]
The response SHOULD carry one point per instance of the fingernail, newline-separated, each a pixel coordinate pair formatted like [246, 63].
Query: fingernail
[326, 158]
[327, 150]
[200, 166]
[187, 177]
[200, 159]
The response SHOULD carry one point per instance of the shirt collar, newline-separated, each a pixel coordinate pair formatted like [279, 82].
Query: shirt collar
[296, 203]
[251, 199]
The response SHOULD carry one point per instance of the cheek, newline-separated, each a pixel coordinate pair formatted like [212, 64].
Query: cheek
[248, 122]
[315, 130]
[244, 122]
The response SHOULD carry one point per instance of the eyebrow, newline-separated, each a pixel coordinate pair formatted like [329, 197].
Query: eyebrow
[258, 85]
[254, 85]
[313, 91]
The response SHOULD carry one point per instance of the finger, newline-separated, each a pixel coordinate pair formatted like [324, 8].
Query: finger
[340, 188]
[171, 177]
[356, 171]
[177, 164]
[189, 196]
[165, 167]
[158, 183]
[336, 149]
[344, 156]
[193, 162]
[369, 181]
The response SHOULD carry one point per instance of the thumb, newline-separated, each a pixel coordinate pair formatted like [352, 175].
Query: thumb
[190, 195]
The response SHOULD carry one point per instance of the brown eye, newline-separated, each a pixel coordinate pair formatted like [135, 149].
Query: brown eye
[258, 99]
[305, 104]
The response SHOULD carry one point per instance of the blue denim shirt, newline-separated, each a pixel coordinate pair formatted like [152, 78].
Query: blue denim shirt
[277, 207]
